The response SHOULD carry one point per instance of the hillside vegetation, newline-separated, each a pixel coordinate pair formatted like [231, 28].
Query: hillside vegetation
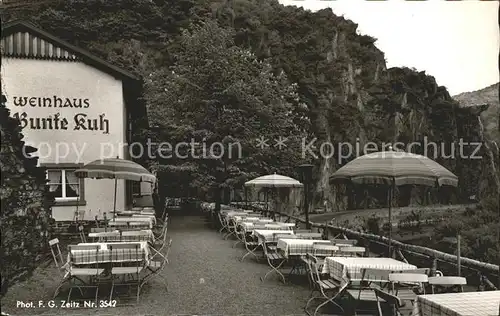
[490, 117]
[237, 69]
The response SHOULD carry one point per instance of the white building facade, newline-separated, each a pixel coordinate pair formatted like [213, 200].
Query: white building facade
[74, 108]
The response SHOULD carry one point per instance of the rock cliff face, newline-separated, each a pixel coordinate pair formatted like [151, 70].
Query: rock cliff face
[490, 117]
[410, 109]
[355, 100]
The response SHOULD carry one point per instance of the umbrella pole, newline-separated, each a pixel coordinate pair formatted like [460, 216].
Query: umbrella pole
[390, 220]
[267, 202]
[114, 201]
[246, 198]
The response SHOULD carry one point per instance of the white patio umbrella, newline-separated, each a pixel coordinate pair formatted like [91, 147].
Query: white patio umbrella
[273, 181]
[115, 168]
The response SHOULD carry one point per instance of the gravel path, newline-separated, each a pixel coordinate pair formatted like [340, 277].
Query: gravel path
[205, 277]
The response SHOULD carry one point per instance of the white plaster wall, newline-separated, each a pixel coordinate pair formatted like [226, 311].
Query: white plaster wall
[44, 78]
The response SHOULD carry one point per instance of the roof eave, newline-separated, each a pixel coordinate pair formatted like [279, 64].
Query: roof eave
[86, 57]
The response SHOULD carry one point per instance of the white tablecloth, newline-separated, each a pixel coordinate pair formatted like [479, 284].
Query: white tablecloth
[350, 267]
[146, 232]
[122, 255]
[149, 219]
[232, 214]
[458, 304]
[264, 235]
[268, 225]
[298, 247]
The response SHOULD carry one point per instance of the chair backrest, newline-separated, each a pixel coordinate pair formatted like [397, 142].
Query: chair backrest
[313, 264]
[324, 249]
[447, 283]
[375, 275]
[352, 242]
[56, 252]
[425, 271]
[408, 278]
[169, 245]
[256, 226]
[303, 231]
[97, 229]
[277, 236]
[389, 298]
[309, 235]
[447, 280]
[352, 251]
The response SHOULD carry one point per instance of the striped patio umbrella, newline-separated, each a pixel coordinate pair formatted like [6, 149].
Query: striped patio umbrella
[394, 168]
[115, 168]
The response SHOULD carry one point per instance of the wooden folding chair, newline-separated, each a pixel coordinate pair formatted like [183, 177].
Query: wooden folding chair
[154, 267]
[403, 285]
[240, 234]
[352, 251]
[275, 261]
[371, 279]
[309, 235]
[392, 300]
[251, 244]
[56, 252]
[84, 255]
[446, 284]
[352, 242]
[329, 288]
[223, 222]
[160, 244]
[231, 228]
[322, 250]
[81, 232]
[133, 255]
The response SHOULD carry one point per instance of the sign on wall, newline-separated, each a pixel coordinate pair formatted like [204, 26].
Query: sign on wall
[54, 120]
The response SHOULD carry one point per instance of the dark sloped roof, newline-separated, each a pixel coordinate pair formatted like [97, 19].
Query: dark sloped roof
[83, 55]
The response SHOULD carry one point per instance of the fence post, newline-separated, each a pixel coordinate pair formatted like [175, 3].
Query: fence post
[366, 243]
[459, 268]
[434, 266]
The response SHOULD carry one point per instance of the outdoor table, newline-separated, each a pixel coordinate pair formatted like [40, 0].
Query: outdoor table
[289, 225]
[233, 213]
[241, 218]
[151, 220]
[125, 213]
[298, 247]
[144, 216]
[485, 303]
[264, 235]
[123, 255]
[267, 225]
[135, 225]
[128, 233]
[350, 268]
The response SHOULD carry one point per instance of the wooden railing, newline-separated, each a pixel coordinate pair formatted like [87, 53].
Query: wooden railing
[477, 272]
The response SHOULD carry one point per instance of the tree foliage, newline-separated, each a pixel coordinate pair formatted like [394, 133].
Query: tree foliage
[218, 93]
[25, 204]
